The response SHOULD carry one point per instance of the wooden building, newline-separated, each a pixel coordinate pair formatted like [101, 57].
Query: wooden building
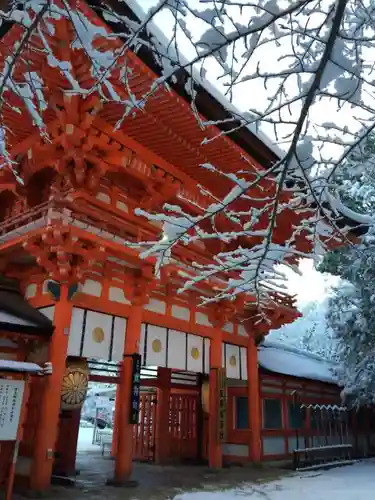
[63, 235]
[284, 372]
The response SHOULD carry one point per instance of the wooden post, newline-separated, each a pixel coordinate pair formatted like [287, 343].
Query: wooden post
[162, 437]
[253, 395]
[46, 432]
[12, 469]
[215, 458]
[115, 422]
[124, 449]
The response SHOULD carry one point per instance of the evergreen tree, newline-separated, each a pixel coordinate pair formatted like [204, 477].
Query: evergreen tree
[351, 310]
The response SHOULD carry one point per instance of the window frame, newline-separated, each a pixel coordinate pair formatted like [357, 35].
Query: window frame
[236, 413]
[282, 422]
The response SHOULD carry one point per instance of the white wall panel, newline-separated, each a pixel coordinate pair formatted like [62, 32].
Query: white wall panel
[194, 354]
[156, 345]
[180, 312]
[207, 345]
[75, 333]
[232, 361]
[202, 319]
[157, 306]
[97, 335]
[118, 341]
[142, 343]
[177, 350]
[243, 354]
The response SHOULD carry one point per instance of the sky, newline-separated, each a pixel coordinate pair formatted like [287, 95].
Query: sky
[268, 56]
[310, 285]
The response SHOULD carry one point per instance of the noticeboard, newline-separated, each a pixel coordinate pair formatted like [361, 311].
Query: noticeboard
[11, 397]
[135, 389]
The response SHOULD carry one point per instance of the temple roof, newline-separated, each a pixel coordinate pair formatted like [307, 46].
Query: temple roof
[284, 360]
[215, 107]
[17, 315]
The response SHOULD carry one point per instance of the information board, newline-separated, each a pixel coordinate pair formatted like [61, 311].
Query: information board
[11, 396]
[222, 404]
[136, 389]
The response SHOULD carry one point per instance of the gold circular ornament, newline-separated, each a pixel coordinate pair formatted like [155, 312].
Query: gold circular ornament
[156, 345]
[74, 387]
[232, 361]
[195, 353]
[98, 335]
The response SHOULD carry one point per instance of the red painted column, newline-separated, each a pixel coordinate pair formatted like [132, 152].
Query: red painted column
[66, 446]
[253, 394]
[215, 458]
[124, 451]
[162, 436]
[115, 422]
[47, 430]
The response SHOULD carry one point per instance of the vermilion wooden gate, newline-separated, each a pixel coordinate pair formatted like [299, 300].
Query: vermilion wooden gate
[183, 426]
[144, 432]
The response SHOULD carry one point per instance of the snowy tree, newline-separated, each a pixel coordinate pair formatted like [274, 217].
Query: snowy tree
[311, 332]
[280, 66]
[351, 309]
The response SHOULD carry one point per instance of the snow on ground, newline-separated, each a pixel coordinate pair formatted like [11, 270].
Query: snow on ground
[85, 440]
[354, 482]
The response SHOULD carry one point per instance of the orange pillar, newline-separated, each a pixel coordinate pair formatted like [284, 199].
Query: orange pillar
[124, 449]
[115, 422]
[215, 458]
[162, 438]
[47, 430]
[253, 393]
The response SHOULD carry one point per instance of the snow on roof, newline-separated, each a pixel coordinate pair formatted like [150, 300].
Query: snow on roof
[285, 360]
[153, 29]
[18, 366]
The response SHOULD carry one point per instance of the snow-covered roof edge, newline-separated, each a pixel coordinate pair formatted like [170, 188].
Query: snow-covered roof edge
[287, 360]
[288, 348]
[154, 30]
[209, 87]
[19, 366]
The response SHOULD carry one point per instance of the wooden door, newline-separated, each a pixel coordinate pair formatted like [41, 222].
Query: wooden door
[183, 426]
[144, 432]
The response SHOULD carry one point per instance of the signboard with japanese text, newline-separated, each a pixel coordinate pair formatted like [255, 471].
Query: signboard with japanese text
[11, 396]
[222, 404]
[135, 389]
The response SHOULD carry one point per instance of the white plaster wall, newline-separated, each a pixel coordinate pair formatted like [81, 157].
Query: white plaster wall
[273, 445]
[236, 450]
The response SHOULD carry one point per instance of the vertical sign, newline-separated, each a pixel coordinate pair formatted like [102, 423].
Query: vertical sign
[11, 396]
[135, 389]
[222, 404]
